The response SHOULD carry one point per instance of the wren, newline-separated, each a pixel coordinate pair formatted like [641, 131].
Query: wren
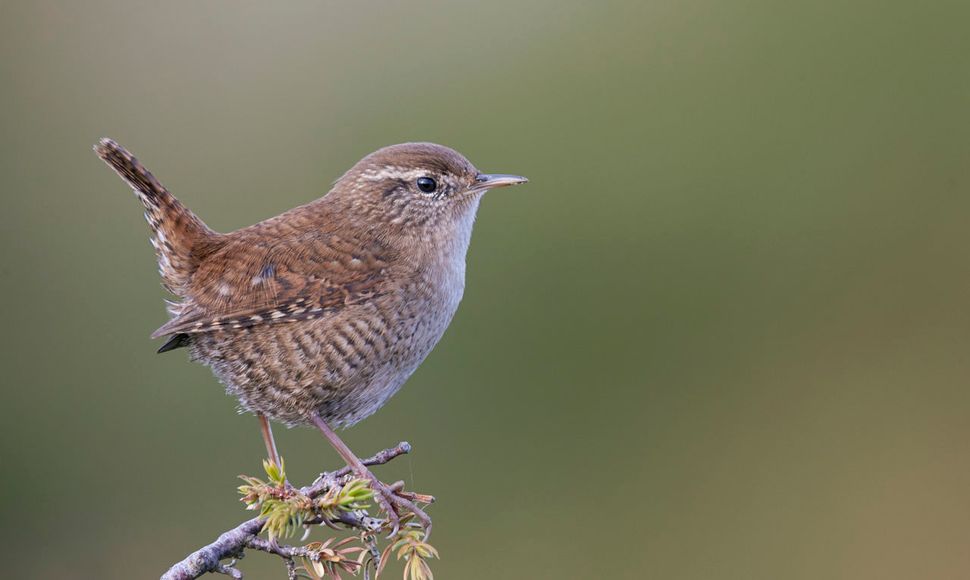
[319, 315]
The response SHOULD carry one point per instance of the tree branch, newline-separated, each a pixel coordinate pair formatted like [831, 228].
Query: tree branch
[232, 543]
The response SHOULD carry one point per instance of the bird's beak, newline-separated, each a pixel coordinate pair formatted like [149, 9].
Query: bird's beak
[485, 181]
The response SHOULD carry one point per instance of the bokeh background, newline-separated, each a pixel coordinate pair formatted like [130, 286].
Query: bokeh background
[723, 333]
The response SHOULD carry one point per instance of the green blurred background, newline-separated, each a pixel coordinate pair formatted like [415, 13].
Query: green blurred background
[723, 333]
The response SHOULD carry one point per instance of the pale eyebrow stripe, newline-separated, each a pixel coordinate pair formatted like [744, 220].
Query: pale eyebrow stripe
[394, 173]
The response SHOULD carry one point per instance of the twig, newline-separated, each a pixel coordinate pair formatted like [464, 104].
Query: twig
[232, 543]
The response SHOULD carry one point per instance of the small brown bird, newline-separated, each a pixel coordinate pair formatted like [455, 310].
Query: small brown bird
[318, 315]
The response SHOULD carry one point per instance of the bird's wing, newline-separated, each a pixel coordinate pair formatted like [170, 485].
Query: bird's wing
[259, 279]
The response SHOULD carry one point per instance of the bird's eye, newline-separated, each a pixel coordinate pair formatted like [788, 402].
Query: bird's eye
[427, 185]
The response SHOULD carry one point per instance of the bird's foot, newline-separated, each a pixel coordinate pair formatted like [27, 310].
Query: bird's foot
[396, 503]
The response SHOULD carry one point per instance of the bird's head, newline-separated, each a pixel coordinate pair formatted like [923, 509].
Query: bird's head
[419, 189]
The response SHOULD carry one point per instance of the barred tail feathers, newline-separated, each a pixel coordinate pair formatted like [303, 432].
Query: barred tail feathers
[177, 233]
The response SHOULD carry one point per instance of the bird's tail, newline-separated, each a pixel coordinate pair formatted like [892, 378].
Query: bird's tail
[179, 237]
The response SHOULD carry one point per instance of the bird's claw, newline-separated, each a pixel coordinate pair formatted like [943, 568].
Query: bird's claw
[392, 502]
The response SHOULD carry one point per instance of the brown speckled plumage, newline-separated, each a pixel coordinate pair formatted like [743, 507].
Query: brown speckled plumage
[328, 308]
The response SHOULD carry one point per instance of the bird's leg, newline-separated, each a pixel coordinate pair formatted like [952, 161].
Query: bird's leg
[385, 494]
[267, 430]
